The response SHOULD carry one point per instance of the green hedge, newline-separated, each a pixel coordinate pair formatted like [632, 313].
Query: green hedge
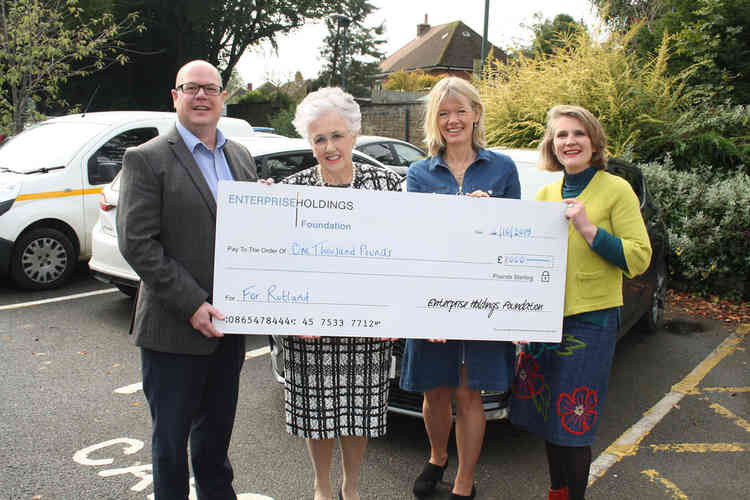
[708, 222]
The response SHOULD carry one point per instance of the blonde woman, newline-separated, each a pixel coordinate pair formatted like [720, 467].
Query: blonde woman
[460, 369]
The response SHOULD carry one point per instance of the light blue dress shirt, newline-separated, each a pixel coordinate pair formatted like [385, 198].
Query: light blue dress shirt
[213, 164]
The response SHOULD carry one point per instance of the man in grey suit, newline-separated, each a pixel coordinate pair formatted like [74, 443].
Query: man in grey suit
[166, 223]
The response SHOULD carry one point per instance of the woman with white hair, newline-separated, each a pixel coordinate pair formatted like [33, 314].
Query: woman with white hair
[336, 387]
[457, 369]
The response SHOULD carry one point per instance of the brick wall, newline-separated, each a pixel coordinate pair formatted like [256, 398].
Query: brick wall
[403, 121]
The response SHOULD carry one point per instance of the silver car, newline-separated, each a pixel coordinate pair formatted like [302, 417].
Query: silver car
[391, 152]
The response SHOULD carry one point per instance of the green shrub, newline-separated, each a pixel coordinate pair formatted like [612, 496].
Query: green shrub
[252, 97]
[704, 134]
[707, 214]
[643, 108]
[631, 98]
[282, 121]
[411, 80]
[258, 97]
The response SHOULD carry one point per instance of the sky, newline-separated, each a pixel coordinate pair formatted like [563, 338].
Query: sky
[299, 51]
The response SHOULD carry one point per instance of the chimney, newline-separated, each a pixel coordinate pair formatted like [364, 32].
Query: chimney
[250, 87]
[423, 28]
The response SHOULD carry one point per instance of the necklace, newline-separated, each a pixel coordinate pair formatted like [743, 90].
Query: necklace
[459, 168]
[322, 183]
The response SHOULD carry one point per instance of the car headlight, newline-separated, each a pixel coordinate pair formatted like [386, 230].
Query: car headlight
[8, 193]
[9, 190]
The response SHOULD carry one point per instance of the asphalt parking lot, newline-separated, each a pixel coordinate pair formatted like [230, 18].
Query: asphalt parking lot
[694, 442]
[75, 425]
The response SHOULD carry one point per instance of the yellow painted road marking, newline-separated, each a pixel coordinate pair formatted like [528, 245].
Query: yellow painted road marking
[698, 391]
[724, 412]
[629, 442]
[726, 389]
[694, 378]
[672, 488]
[21, 305]
[58, 194]
[700, 447]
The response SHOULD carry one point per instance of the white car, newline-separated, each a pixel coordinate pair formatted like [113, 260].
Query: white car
[532, 178]
[275, 156]
[51, 175]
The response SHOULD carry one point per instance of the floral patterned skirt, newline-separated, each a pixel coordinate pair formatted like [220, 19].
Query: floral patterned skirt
[559, 389]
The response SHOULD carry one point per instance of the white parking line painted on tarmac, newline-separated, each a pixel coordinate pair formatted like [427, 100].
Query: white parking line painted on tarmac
[21, 305]
[130, 389]
[628, 443]
[133, 388]
[257, 352]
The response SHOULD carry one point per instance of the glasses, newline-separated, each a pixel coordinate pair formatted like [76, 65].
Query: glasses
[194, 88]
[321, 141]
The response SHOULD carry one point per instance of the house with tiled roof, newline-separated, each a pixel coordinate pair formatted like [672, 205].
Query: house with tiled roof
[451, 48]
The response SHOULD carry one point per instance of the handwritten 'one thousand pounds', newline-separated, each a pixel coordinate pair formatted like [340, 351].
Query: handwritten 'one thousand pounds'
[302, 260]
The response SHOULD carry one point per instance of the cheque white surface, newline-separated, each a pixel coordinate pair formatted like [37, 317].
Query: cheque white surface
[345, 262]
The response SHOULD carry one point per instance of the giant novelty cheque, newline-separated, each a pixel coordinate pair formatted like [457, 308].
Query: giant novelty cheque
[301, 260]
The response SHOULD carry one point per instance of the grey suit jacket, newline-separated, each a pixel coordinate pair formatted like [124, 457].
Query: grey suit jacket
[166, 227]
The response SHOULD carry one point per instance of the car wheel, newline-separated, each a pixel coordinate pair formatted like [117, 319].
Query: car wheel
[130, 291]
[43, 258]
[653, 320]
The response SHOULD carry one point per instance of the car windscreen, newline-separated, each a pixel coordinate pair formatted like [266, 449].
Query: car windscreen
[47, 145]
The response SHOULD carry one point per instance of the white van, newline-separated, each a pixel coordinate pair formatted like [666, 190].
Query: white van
[50, 179]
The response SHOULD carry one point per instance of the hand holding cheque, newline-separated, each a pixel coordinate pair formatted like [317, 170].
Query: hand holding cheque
[324, 261]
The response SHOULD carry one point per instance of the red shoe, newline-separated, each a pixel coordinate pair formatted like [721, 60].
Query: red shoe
[561, 494]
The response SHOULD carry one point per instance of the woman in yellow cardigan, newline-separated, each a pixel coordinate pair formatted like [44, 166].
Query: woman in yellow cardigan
[560, 388]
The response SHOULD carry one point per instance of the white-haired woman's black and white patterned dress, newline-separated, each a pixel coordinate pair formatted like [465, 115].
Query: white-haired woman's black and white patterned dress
[338, 386]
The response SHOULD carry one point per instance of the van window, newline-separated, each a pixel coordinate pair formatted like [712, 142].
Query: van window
[107, 161]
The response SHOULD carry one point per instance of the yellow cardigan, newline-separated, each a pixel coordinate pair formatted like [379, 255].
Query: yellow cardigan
[592, 282]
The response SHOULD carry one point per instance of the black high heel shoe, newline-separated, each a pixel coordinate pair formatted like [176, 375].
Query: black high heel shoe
[427, 481]
[341, 494]
[455, 496]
